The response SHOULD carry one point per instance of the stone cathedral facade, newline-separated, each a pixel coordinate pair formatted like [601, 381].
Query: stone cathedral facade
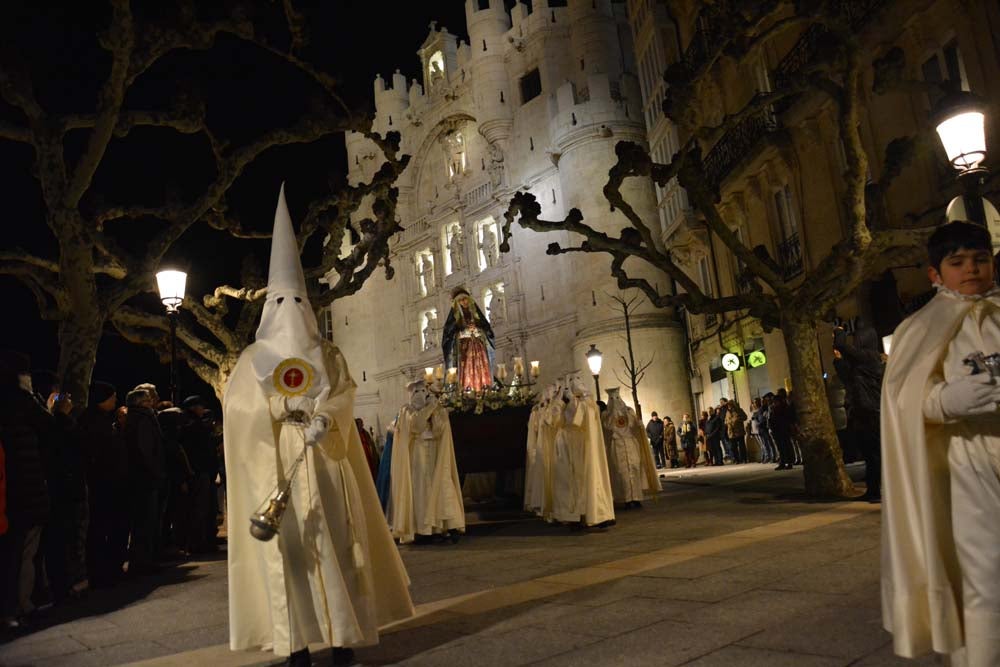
[536, 101]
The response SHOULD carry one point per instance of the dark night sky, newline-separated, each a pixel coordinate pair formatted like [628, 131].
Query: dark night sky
[247, 93]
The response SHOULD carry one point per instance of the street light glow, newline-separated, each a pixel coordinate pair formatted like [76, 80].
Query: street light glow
[594, 360]
[170, 283]
[964, 138]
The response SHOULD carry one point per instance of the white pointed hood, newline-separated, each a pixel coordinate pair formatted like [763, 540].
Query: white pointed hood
[288, 325]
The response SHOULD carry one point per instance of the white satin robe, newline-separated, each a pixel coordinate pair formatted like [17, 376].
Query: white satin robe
[581, 489]
[630, 457]
[941, 489]
[332, 575]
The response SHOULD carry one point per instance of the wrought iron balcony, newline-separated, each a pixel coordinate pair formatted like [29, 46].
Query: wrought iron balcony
[790, 257]
[736, 144]
[856, 13]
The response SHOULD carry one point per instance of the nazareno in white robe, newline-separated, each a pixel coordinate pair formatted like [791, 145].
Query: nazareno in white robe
[426, 497]
[332, 575]
[581, 489]
[630, 456]
[538, 463]
[941, 481]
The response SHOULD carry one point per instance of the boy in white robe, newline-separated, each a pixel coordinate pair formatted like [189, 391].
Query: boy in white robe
[941, 471]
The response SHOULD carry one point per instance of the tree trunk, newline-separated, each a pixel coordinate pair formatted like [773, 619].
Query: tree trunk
[823, 461]
[79, 336]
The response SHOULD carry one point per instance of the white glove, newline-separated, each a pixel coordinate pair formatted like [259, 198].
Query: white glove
[970, 395]
[300, 404]
[316, 430]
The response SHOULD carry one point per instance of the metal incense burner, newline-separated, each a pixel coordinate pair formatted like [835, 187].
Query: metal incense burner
[264, 524]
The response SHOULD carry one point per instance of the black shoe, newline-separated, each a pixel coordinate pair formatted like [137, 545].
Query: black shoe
[299, 659]
[454, 536]
[782, 466]
[342, 657]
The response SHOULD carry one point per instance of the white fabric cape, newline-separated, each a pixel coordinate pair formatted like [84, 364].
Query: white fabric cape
[634, 431]
[443, 506]
[596, 503]
[346, 582]
[538, 464]
[921, 580]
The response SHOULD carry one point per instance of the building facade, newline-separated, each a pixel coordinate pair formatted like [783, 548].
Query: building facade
[779, 172]
[535, 101]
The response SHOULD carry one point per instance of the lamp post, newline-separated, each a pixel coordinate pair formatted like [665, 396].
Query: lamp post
[594, 360]
[170, 283]
[959, 119]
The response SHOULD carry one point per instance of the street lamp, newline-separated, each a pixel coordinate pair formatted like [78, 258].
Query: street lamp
[170, 283]
[594, 360]
[959, 119]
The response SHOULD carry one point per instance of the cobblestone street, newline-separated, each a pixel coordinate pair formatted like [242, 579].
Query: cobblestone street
[727, 566]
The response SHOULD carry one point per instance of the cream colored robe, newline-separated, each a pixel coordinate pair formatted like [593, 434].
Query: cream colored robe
[538, 464]
[939, 484]
[630, 457]
[332, 574]
[426, 496]
[581, 488]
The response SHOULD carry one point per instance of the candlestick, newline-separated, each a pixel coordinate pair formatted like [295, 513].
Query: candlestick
[439, 371]
[518, 366]
[428, 374]
[452, 375]
[502, 371]
[534, 369]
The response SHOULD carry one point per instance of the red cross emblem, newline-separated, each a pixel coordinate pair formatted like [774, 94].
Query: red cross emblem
[293, 378]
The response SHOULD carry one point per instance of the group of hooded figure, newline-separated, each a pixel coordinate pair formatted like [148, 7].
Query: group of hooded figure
[334, 575]
[580, 462]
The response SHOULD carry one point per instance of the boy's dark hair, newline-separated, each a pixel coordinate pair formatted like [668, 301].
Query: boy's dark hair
[955, 236]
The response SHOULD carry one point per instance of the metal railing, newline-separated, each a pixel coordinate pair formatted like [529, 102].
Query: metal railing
[790, 256]
[737, 143]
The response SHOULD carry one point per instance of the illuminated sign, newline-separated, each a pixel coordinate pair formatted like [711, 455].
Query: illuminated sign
[730, 361]
[756, 359]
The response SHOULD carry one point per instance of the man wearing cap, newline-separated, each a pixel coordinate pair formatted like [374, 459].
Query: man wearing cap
[198, 442]
[290, 396]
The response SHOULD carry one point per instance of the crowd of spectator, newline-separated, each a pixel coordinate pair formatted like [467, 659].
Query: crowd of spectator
[90, 497]
[720, 435]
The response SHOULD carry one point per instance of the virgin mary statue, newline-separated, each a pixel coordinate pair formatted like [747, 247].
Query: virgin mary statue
[468, 342]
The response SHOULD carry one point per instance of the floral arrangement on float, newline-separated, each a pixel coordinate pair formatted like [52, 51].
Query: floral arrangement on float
[499, 395]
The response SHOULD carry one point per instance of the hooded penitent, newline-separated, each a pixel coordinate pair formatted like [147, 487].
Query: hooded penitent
[426, 496]
[630, 457]
[332, 575]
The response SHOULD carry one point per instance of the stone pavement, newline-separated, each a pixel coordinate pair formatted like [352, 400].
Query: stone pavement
[729, 566]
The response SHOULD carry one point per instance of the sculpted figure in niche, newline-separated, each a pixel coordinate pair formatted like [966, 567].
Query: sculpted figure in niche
[498, 307]
[496, 165]
[489, 246]
[456, 249]
[430, 330]
[426, 273]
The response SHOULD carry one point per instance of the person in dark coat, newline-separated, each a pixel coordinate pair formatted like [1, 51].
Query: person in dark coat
[654, 430]
[103, 445]
[176, 504]
[780, 422]
[26, 429]
[64, 539]
[199, 443]
[146, 477]
[860, 367]
[713, 435]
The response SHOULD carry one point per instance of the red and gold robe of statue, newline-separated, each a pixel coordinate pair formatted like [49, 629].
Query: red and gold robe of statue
[473, 360]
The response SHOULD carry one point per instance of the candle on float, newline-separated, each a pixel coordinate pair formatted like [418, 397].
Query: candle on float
[439, 372]
[502, 371]
[518, 366]
[428, 374]
[452, 375]
[534, 369]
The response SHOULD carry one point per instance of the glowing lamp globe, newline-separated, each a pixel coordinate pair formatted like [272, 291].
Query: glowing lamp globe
[170, 283]
[960, 123]
[594, 360]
